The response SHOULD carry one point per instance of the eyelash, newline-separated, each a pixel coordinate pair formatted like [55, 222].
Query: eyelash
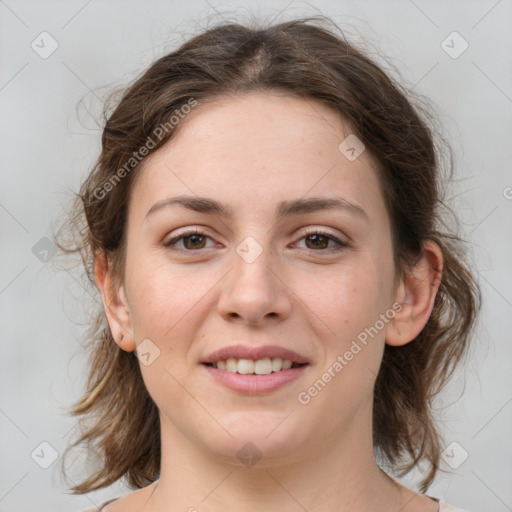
[186, 234]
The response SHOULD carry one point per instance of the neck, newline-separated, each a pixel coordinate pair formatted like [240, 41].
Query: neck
[339, 473]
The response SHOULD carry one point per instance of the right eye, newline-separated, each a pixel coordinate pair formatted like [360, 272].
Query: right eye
[192, 240]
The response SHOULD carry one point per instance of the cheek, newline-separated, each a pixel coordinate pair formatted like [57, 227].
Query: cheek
[347, 299]
[167, 302]
[166, 308]
[352, 343]
[349, 302]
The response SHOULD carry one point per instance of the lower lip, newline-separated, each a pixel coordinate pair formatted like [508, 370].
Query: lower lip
[255, 384]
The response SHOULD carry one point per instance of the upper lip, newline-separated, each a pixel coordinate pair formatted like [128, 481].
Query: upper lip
[254, 353]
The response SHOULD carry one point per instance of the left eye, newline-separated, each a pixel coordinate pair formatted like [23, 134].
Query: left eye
[320, 240]
[192, 240]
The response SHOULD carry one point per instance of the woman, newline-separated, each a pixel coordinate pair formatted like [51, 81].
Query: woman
[280, 301]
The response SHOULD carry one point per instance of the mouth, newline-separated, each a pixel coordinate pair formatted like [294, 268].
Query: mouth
[264, 366]
[254, 370]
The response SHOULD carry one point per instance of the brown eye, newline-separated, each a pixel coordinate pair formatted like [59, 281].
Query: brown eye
[194, 241]
[322, 242]
[317, 241]
[190, 241]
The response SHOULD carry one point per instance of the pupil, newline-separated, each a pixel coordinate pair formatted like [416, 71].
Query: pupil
[315, 240]
[194, 239]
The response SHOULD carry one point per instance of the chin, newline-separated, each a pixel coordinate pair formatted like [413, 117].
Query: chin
[269, 438]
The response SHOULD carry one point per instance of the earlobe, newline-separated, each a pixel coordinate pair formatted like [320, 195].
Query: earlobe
[416, 293]
[115, 304]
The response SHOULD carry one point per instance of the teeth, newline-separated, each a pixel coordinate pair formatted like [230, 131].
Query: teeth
[231, 365]
[245, 366]
[263, 366]
[277, 364]
[258, 367]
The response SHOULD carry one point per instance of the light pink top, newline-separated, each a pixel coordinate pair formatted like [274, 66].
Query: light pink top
[446, 507]
[443, 507]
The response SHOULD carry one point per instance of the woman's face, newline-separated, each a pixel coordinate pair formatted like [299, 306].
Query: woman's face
[274, 274]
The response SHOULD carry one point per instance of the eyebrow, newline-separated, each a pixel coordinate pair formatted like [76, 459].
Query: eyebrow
[284, 208]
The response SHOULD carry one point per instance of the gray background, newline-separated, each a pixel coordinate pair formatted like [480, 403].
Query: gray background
[48, 145]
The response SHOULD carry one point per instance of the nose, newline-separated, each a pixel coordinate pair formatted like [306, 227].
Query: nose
[254, 292]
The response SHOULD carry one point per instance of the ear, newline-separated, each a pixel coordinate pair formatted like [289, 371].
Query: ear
[416, 293]
[115, 304]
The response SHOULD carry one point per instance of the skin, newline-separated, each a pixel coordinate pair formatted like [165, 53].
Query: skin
[251, 152]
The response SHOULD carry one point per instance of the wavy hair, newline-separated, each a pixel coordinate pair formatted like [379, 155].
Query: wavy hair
[309, 58]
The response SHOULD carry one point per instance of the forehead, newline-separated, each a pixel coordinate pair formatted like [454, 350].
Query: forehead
[255, 149]
[281, 123]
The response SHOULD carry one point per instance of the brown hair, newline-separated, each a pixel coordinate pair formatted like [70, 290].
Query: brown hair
[303, 57]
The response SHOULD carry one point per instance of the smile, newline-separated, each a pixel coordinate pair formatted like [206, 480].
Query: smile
[251, 383]
[264, 366]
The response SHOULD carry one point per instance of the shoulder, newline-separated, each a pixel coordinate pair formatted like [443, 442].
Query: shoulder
[447, 507]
